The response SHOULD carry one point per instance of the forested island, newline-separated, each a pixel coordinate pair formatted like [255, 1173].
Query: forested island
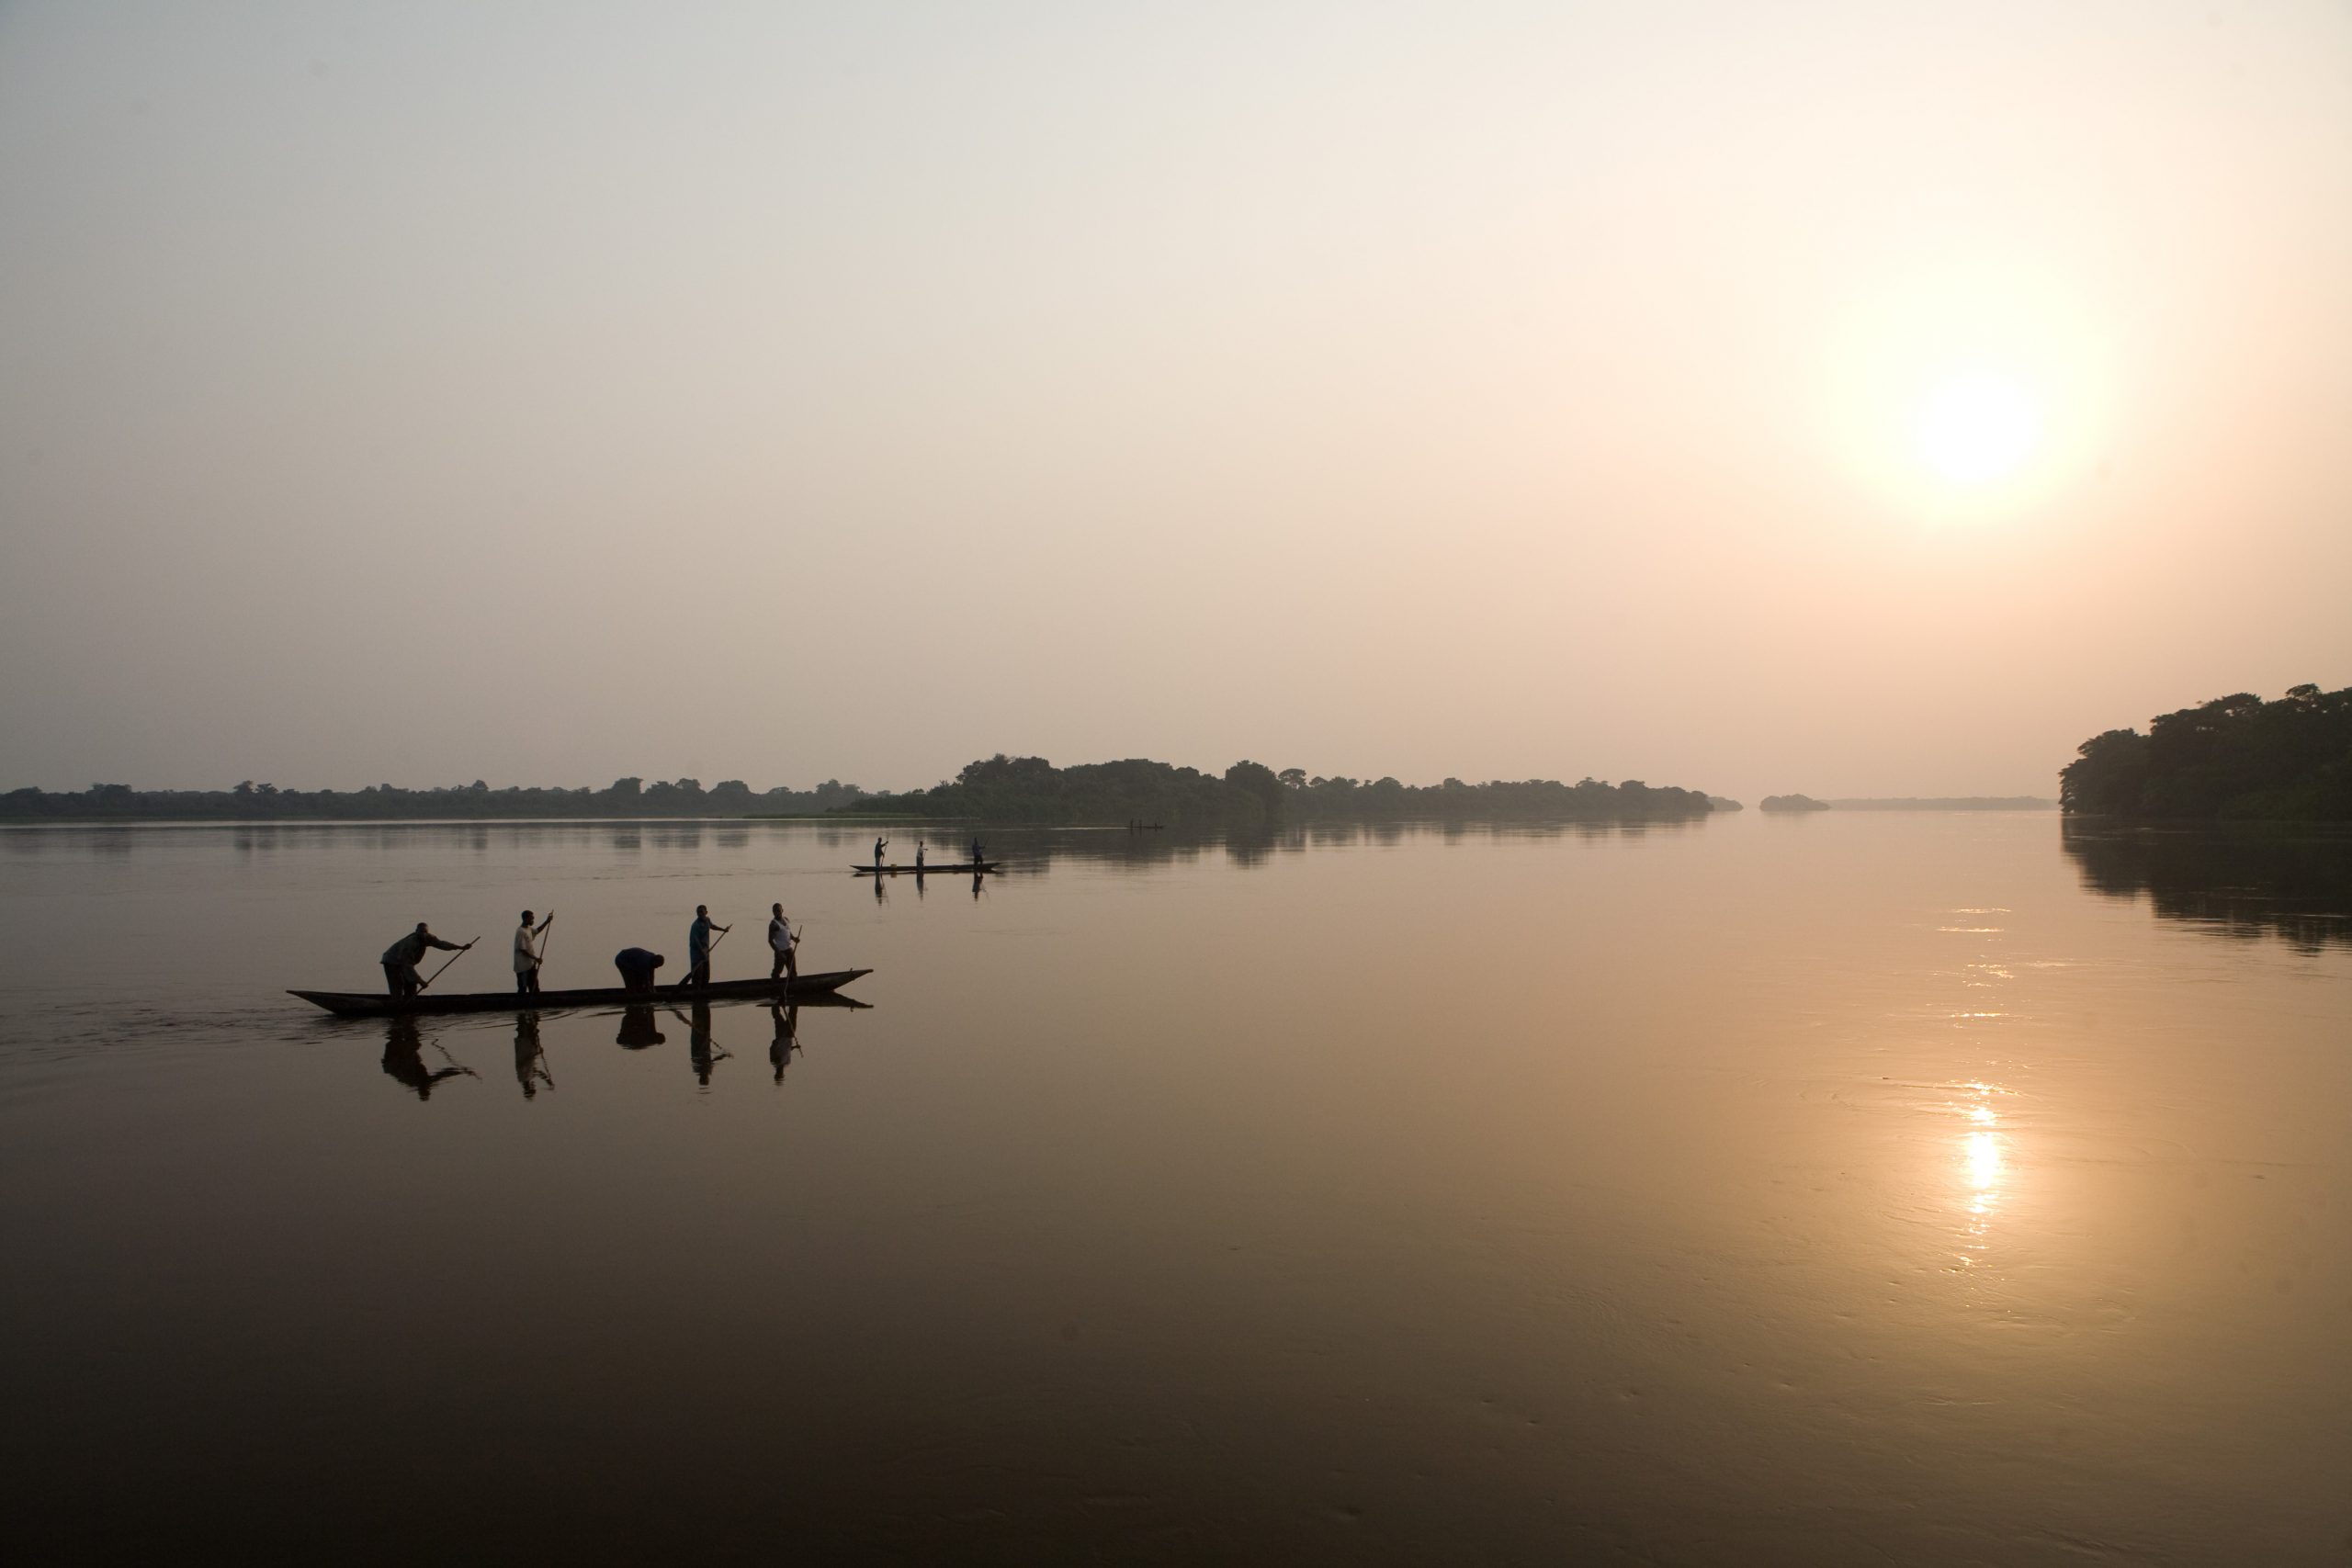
[265, 802]
[2237, 758]
[1792, 803]
[1250, 794]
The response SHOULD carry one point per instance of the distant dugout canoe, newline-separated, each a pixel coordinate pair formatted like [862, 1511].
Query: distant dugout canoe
[809, 988]
[944, 868]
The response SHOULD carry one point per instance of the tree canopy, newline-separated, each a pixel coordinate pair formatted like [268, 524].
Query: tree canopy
[1250, 795]
[2235, 757]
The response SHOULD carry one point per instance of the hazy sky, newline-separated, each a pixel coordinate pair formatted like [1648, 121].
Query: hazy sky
[1855, 398]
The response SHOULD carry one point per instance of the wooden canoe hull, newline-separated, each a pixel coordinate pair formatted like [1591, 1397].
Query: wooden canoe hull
[808, 989]
[945, 868]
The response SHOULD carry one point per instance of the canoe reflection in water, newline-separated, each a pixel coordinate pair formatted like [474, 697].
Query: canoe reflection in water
[405, 1058]
[530, 1059]
[639, 1028]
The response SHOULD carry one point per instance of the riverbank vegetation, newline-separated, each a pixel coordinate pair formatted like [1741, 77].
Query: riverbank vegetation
[2235, 757]
[266, 802]
[1250, 794]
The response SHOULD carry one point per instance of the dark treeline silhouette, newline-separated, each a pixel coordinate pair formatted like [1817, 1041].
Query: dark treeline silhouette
[2234, 757]
[1250, 796]
[1944, 803]
[253, 802]
[2242, 881]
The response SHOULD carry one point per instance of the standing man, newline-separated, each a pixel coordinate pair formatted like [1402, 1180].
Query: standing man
[698, 945]
[526, 953]
[878, 845]
[782, 941]
[401, 958]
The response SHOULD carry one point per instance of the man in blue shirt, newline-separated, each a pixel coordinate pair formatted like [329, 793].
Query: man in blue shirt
[698, 946]
[637, 967]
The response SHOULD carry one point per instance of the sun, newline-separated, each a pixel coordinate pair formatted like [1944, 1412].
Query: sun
[1978, 428]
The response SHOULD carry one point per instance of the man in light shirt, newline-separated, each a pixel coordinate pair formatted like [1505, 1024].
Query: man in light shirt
[526, 953]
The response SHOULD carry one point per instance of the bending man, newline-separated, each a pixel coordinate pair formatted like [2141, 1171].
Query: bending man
[401, 958]
[637, 966]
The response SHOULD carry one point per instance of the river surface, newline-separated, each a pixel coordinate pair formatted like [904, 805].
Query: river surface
[1861, 1187]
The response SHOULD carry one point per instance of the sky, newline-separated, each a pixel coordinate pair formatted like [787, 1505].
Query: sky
[1853, 398]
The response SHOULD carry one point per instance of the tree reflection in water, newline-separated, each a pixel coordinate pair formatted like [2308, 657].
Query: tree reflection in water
[2244, 880]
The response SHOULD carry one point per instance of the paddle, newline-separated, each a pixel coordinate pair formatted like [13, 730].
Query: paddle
[800, 934]
[547, 935]
[451, 959]
[444, 1050]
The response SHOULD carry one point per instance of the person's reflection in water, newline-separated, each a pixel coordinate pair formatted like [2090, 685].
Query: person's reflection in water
[976, 879]
[700, 1050]
[404, 1059]
[787, 1037]
[639, 1028]
[530, 1059]
[877, 889]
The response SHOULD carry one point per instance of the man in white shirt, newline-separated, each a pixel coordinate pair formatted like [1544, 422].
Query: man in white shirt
[782, 942]
[526, 953]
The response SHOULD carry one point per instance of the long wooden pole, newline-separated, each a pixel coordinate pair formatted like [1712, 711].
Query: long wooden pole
[451, 959]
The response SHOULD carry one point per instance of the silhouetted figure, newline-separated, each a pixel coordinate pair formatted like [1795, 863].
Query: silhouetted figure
[698, 945]
[405, 1058]
[784, 943]
[531, 1060]
[701, 1051]
[639, 1028]
[879, 845]
[637, 967]
[919, 847]
[787, 1037]
[401, 958]
[977, 857]
[527, 954]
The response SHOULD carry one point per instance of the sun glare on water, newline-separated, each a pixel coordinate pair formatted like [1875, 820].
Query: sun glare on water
[1977, 429]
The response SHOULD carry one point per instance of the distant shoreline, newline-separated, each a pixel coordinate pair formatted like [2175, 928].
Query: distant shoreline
[1942, 803]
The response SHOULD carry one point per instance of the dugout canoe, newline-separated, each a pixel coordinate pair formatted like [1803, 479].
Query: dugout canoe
[808, 989]
[945, 868]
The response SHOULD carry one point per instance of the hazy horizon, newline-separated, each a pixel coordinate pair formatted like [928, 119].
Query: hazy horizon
[1845, 401]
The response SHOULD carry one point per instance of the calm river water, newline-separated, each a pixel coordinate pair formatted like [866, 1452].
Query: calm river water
[1854, 1189]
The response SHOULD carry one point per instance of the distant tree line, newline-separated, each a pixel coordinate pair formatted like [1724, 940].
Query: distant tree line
[1252, 795]
[2235, 757]
[253, 802]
